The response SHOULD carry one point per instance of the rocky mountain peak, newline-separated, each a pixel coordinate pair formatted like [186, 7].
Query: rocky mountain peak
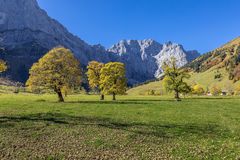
[172, 45]
[20, 14]
[146, 57]
[147, 46]
[27, 33]
[168, 43]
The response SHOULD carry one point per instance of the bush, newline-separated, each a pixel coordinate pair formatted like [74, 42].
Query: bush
[218, 76]
[16, 90]
[197, 89]
[237, 91]
[151, 92]
[216, 91]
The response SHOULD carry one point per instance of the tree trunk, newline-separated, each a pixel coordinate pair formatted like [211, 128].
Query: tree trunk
[60, 96]
[114, 96]
[177, 96]
[102, 97]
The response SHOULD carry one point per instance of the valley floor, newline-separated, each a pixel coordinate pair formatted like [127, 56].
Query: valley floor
[134, 127]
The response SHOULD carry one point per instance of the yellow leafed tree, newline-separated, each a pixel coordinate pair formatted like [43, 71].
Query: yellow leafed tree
[57, 70]
[3, 66]
[93, 73]
[216, 90]
[198, 89]
[174, 78]
[113, 79]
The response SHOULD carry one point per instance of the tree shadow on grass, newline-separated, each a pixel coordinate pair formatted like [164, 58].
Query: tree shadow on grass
[108, 102]
[157, 130]
[183, 99]
[151, 100]
[210, 98]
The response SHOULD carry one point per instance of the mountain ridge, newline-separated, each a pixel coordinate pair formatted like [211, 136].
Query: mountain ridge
[235, 41]
[27, 33]
[220, 67]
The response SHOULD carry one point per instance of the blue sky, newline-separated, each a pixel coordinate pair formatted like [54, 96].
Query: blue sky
[196, 24]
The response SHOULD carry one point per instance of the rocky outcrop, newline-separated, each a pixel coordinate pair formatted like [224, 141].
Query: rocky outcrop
[173, 50]
[144, 59]
[138, 56]
[27, 33]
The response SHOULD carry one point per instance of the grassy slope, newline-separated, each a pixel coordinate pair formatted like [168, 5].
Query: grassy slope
[236, 41]
[133, 128]
[143, 89]
[8, 86]
[205, 79]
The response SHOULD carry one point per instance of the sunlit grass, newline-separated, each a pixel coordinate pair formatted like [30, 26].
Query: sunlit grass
[133, 127]
[205, 79]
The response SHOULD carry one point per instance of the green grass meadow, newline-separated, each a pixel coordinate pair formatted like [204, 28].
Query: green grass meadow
[133, 127]
[204, 79]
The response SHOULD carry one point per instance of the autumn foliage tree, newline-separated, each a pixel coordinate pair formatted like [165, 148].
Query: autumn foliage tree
[216, 90]
[198, 90]
[174, 78]
[3, 66]
[113, 79]
[57, 70]
[93, 73]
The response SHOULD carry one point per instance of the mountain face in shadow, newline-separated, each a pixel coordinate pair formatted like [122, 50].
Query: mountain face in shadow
[27, 33]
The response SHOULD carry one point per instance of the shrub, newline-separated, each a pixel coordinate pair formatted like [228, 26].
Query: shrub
[151, 92]
[16, 90]
[197, 89]
[237, 91]
[215, 91]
